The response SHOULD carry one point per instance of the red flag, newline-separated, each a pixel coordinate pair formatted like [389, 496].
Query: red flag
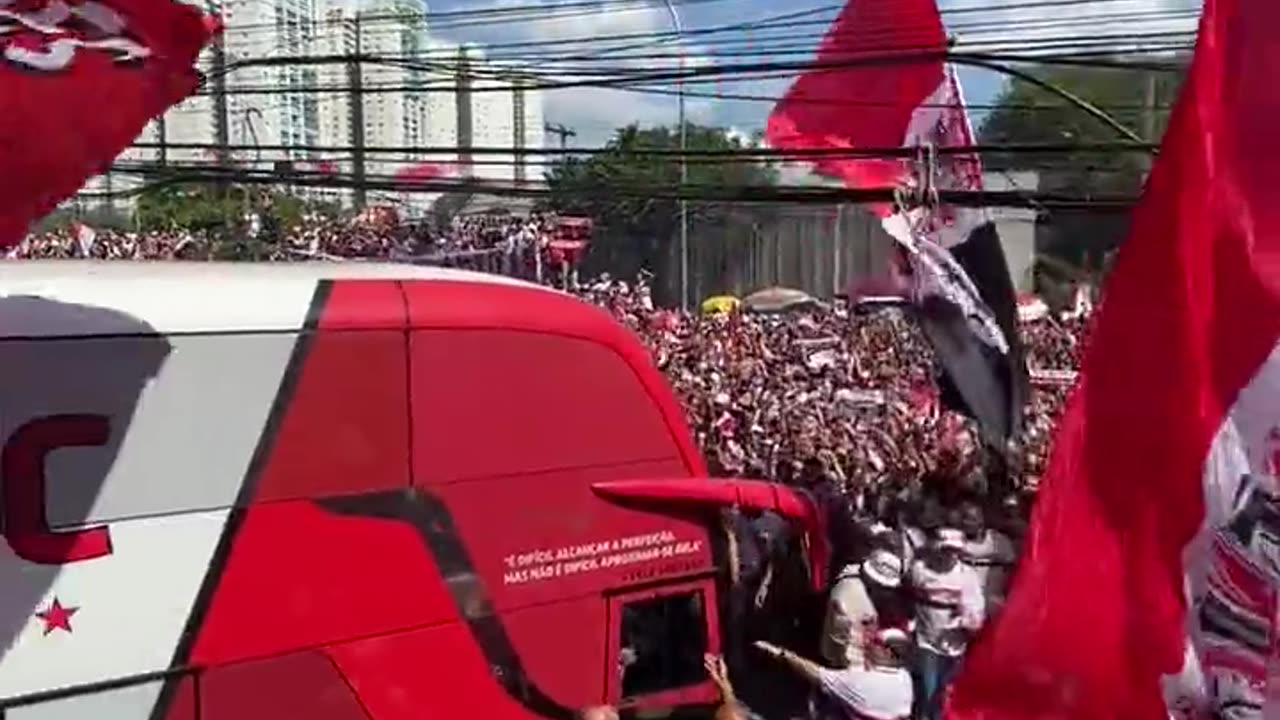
[892, 49]
[1153, 544]
[79, 80]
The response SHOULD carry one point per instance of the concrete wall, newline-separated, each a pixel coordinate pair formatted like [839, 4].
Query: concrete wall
[1017, 226]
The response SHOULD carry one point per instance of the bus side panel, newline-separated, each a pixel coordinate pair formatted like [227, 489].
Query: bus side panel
[298, 685]
[511, 428]
[547, 635]
[443, 672]
[298, 574]
[131, 702]
[432, 672]
[504, 402]
[347, 428]
[122, 458]
[564, 541]
[461, 307]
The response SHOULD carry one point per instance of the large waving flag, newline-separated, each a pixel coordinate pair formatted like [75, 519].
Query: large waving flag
[80, 79]
[1151, 568]
[878, 63]
[888, 57]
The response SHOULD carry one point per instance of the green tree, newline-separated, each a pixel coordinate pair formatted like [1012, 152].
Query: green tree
[221, 211]
[96, 216]
[193, 206]
[1078, 241]
[634, 231]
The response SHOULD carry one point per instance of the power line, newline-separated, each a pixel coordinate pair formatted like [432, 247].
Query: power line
[967, 34]
[581, 8]
[454, 19]
[985, 36]
[961, 30]
[827, 102]
[643, 76]
[1068, 50]
[666, 191]
[754, 153]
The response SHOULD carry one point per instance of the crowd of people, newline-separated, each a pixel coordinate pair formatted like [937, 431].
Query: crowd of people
[839, 400]
[369, 236]
[843, 402]
[846, 393]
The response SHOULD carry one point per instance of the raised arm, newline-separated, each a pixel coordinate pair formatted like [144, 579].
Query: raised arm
[803, 666]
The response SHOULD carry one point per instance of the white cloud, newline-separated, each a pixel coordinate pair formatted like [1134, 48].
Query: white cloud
[598, 22]
[585, 34]
[740, 136]
[597, 112]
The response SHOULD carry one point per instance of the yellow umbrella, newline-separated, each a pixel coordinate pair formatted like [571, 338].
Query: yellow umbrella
[720, 304]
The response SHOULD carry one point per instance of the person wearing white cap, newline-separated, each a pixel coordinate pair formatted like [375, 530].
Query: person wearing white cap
[881, 690]
[853, 607]
[949, 608]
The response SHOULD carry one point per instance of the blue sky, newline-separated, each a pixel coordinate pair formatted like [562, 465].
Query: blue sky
[594, 113]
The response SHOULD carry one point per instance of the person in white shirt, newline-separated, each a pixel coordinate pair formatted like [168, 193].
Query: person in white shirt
[852, 611]
[949, 609]
[880, 691]
[989, 552]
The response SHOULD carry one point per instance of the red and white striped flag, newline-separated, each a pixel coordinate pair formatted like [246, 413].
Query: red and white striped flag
[888, 55]
[1148, 585]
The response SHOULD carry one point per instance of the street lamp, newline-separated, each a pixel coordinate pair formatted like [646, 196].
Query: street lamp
[684, 164]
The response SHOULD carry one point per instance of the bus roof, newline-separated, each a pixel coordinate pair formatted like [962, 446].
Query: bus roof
[184, 297]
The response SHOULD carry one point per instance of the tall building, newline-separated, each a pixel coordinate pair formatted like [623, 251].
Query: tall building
[271, 108]
[392, 114]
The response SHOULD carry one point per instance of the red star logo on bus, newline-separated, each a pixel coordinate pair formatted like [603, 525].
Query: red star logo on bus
[57, 617]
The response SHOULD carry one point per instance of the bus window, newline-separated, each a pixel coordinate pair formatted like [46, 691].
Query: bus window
[663, 641]
[660, 639]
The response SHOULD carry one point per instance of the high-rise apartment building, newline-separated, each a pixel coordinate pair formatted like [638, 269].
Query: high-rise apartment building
[271, 106]
[392, 114]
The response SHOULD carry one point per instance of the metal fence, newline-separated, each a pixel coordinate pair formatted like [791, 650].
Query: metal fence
[818, 249]
[741, 249]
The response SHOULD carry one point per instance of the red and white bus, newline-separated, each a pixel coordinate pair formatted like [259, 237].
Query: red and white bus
[342, 491]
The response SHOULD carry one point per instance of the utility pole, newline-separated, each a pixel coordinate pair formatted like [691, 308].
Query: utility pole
[1149, 117]
[560, 131]
[355, 82]
[163, 138]
[837, 250]
[684, 159]
[517, 104]
[462, 102]
[221, 133]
